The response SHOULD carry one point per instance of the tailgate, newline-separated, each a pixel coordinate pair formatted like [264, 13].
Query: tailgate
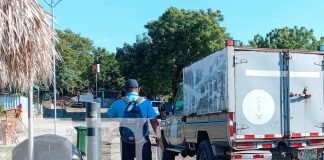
[258, 99]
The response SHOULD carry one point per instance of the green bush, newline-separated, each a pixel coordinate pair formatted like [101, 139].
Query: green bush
[46, 96]
[1, 109]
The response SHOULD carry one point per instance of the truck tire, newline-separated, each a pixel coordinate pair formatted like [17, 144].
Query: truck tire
[205, 151]
[167, 155]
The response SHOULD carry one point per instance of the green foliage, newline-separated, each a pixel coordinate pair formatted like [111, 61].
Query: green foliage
[47, 96]
[1, 109]
[321, 41]
[109, 76]
[79, 55]
[136, 61]
[174, 41]
[74, 70]
[287, 38]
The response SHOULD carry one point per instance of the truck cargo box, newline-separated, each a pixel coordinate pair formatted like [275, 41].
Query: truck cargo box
[271, 92]
[205, 89]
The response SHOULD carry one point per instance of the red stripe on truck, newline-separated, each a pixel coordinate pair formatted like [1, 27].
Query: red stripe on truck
[269, 136]
[237, 156]
[265, 136]
[257, 156]
[316, 142]
[250, 156]
[296, 145]
[249, 136]
[245, 145]
[314, 134]
[294, 135]
[266, 145]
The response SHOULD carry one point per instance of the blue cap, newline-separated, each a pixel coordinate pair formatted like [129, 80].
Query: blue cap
[131, 83]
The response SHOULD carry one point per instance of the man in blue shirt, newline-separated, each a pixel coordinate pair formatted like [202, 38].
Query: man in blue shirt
[117, 110]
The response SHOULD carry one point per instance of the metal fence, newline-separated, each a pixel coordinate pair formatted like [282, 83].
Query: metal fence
[12, 102]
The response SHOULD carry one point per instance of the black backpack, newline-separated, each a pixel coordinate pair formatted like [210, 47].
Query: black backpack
[133, 122]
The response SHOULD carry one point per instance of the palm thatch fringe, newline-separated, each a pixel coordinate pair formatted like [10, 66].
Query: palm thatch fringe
[25, 44]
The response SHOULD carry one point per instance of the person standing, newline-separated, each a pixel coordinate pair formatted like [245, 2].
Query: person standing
[134, 107]
[78, 95]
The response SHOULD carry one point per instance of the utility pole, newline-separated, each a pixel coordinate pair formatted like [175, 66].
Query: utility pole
[96, 86]
[53, 5]
[96, 71]
[30, 124]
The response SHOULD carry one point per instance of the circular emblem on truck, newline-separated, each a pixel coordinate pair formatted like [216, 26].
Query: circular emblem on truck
[258, 107]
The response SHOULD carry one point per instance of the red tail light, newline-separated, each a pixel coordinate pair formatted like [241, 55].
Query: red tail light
[231, 116]
[231, 131]
[231, 123]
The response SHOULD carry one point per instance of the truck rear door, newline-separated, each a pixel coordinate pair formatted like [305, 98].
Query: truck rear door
[306, 101]
[257, 90]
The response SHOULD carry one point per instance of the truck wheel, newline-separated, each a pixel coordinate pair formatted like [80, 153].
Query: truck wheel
[167, 155]
[205, 151]
[191, 154]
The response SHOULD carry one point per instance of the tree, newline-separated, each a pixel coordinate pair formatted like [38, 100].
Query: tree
[180, 37]
[109, 76]
[136, 61]
[321, 41]
[75, 69]
[287, 38]
[175, 40]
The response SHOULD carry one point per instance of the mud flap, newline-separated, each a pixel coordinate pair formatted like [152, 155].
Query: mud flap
[309, 153]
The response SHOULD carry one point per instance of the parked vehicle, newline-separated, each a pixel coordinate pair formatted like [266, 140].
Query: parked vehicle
[161, 108]
[246, 103]
[156, 105]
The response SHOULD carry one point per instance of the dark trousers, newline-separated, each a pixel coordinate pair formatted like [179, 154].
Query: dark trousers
[129, 150]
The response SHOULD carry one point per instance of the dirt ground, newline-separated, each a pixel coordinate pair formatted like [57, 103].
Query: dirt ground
[65, 127]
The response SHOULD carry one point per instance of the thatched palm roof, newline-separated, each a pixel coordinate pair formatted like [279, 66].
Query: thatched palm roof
[25, 44]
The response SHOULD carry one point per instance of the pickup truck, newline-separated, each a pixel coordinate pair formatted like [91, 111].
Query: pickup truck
[249, 103]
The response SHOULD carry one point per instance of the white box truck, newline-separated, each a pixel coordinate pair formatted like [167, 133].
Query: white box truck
[249, 103]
